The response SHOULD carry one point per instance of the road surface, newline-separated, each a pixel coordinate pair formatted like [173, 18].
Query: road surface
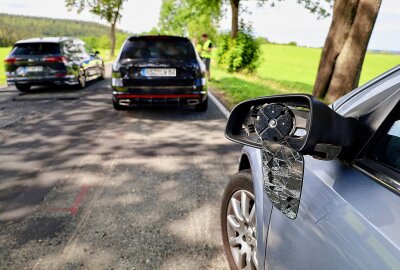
[85, 187]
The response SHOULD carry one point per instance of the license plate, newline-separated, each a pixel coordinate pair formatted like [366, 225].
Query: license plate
[159, 72]
[34, 69]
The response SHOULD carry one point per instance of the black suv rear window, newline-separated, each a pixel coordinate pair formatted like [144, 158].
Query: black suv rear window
[145, 48]
[36, 49]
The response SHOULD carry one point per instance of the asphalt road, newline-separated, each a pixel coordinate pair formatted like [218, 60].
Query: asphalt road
[85, 187]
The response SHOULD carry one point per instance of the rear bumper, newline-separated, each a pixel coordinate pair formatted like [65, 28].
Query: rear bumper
[44, 80]
[132, 98]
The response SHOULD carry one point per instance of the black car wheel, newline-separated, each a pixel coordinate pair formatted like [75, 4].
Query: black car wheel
[23, 87]
[238, 222]
[103, 73]
[81, 80]
[202, 107]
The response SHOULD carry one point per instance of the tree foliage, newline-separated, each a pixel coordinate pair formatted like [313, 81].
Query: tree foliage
[109, 10]
[16, 27]
[190, 17]
[240, 54]
[321, 8]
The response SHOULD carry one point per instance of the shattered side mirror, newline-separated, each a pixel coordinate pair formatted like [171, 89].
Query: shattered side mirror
[286, 128]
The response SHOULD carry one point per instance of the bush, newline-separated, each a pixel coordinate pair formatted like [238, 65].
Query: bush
[240, 54]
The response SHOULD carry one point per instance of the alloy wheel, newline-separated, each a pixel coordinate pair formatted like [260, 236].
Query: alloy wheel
[241, 229]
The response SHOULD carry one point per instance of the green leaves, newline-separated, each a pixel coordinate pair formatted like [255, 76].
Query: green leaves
[190, 17]
[110, 10]
[239, 54]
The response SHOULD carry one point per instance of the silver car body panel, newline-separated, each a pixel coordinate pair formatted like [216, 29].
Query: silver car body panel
[346, 220]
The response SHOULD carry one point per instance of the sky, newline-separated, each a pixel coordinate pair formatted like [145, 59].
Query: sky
[285, 22]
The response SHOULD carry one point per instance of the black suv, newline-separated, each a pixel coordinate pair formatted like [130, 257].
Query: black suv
[159, 70]
[52, 60]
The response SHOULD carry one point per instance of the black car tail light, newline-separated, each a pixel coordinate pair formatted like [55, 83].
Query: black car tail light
[10, 60]
[55, 59]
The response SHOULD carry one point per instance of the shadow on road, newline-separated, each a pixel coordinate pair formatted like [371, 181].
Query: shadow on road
[156, 177]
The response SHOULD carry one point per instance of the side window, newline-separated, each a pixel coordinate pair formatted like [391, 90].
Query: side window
[73, 48]
[387, 150]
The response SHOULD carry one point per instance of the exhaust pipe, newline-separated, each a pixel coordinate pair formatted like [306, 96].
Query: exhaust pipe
[124, 102]
[193, 101]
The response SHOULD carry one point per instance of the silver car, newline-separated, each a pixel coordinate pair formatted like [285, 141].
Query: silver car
[318, 186]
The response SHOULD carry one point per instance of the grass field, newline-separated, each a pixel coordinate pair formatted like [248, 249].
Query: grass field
[3, 54]
[105, 54]
[287, 69]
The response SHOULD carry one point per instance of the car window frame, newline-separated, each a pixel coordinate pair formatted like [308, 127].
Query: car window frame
[378, 171]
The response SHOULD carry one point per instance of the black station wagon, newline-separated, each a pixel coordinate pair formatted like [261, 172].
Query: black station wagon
[52, 61]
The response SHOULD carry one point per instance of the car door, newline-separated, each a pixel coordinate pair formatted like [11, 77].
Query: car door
[88, 62]
[349, 215]
[94, 61]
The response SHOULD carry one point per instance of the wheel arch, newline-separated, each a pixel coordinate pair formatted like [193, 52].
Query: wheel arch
[244, 162]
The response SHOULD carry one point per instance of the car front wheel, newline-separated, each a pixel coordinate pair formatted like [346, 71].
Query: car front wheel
[81, 80]
[238, 222]
[102, 73]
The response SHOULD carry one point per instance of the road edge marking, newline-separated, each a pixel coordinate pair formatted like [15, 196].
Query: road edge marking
[219, 105]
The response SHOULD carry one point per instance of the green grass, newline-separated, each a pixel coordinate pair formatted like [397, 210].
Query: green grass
[287, 69]
[3, 54]
[105, 54]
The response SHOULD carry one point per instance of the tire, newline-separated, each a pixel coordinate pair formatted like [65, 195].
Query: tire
[102, 74]
[81, 80]
[202, 107]
[243, 239]
[118, 107]
[23, 87]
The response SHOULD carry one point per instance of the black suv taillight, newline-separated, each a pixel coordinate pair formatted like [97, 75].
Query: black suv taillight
[10, 60]
[55, 59]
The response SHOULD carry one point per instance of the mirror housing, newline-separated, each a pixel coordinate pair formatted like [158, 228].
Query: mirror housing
[286, 128]
[304, 123]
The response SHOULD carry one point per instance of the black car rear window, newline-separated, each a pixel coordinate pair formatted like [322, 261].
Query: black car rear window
[36, 49]
[146, 48]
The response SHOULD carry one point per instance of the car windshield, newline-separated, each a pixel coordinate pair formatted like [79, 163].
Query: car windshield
[145, 48]
[36, 49]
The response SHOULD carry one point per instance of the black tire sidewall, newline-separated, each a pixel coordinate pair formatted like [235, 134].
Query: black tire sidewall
[240, 181]
[102, 73]
[81, 84]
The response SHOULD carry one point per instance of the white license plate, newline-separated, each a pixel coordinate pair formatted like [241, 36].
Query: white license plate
[159, 72]
[34, 69]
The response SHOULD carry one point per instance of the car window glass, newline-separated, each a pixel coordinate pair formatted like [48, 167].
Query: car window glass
[36, 49]
[387, 149]
[158, 48]
[72, 47]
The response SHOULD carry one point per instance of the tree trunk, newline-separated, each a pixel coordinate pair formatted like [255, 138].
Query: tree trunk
[345, 47]
[112, 35]
[235, 18]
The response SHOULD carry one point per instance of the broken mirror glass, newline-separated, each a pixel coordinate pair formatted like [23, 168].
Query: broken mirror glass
[283, 176]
